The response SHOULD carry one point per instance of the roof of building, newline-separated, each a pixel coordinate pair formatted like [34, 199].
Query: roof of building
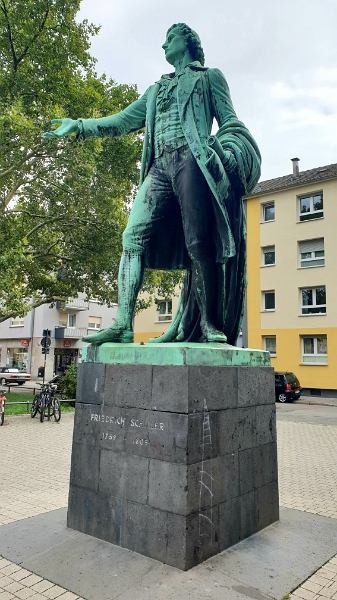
[281, 183]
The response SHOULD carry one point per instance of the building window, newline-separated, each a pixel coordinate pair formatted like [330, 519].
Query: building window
[312, 253]
[268, 212]
[164, 310]
[269, 342]
[268, 299]
[313, 301]
[67, 320]
[71, 320]
[268, 256]
[94, 323]
[17, 322]
[311, 207]
[314, 350]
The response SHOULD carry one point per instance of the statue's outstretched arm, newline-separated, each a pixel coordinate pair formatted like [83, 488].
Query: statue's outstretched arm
[130, 119]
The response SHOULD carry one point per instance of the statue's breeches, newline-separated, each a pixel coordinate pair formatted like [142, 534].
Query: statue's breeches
[175, 177]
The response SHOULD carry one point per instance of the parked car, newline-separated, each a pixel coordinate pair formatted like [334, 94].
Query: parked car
[287, 386]
[9, 375]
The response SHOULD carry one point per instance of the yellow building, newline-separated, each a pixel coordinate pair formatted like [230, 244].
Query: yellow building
[291, 271]
[156, 319]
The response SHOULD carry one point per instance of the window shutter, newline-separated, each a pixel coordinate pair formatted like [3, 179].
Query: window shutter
[96, 320]
[312, 245]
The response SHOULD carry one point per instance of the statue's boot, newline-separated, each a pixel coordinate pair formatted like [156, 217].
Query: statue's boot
[130, 277]
[212, 334]
[203, 282]
[114, 333]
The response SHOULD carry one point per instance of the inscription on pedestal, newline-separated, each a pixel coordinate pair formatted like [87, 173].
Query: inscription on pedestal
[132, 430]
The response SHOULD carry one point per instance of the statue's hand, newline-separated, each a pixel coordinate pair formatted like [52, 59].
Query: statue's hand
[67, 127]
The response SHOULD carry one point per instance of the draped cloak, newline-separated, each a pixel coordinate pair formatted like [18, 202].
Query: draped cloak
[202, 95]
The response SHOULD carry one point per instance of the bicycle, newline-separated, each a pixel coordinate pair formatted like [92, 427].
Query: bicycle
[2, 407]
[46, 400]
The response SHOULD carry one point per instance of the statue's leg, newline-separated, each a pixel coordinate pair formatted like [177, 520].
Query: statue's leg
[144, 217]
[203, 282]
[130, 279]
[198, 221]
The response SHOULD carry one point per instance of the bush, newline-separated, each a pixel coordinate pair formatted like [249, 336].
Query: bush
[69, 381]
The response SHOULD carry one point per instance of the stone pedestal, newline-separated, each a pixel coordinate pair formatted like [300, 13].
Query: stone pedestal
[174, 461]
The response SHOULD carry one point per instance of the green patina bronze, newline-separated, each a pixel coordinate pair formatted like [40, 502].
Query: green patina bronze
[188, 212]
[212, 354]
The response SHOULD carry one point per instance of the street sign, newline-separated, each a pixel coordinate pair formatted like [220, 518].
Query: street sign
[46, 333]
[45, 342]
[45, 350]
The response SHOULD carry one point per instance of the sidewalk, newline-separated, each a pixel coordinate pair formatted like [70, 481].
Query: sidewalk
[316, 400]
[44, 559]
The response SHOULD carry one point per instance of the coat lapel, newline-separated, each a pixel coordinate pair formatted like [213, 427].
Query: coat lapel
[149, 131]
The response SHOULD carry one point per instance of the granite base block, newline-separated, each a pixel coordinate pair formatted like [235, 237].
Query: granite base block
[176, 462]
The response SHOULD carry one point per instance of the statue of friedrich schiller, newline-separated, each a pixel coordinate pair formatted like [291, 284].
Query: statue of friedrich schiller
[188, 212]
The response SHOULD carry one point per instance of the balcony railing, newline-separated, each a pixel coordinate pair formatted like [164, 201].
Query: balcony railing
[73, 304]
[62, 333]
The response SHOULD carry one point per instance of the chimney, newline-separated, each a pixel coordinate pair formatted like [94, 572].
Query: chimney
[296, 168]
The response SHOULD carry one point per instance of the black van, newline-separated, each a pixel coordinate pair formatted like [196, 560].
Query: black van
[287, 386]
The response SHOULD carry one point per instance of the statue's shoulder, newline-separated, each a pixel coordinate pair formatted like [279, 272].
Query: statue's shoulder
[217, 80]
[215, 73]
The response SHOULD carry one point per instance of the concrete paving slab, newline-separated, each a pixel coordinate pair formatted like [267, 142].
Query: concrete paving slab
[92, 568]
[24, 539]
[265, 566]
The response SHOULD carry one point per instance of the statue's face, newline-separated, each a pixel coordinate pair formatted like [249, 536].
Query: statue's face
[175, 46]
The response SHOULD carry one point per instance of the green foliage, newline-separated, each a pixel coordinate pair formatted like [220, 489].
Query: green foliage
[69, 382]
[63, 204]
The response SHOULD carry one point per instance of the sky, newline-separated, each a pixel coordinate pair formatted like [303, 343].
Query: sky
[279, 58]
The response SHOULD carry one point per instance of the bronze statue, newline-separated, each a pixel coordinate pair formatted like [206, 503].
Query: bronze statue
[188, 213]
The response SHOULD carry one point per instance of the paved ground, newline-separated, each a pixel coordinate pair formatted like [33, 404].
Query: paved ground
[34, 467]
[35, 476]
[308, 477]
[35, 470]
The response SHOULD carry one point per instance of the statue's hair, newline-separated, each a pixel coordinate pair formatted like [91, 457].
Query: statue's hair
[193, 41]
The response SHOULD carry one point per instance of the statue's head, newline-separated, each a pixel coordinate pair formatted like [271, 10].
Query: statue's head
[191, 40]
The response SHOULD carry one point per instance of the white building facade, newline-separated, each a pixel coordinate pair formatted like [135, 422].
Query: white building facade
[68, 322]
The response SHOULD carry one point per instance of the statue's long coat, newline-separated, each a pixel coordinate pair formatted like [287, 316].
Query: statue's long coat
[202, 95]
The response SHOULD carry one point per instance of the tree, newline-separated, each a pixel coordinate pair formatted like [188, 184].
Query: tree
[63, 204]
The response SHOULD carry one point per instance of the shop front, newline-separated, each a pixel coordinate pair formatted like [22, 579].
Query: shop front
[18, 357]
[63, 357]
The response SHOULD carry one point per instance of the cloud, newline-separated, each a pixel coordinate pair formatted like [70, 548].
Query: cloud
[279, 59]
[312, 105]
